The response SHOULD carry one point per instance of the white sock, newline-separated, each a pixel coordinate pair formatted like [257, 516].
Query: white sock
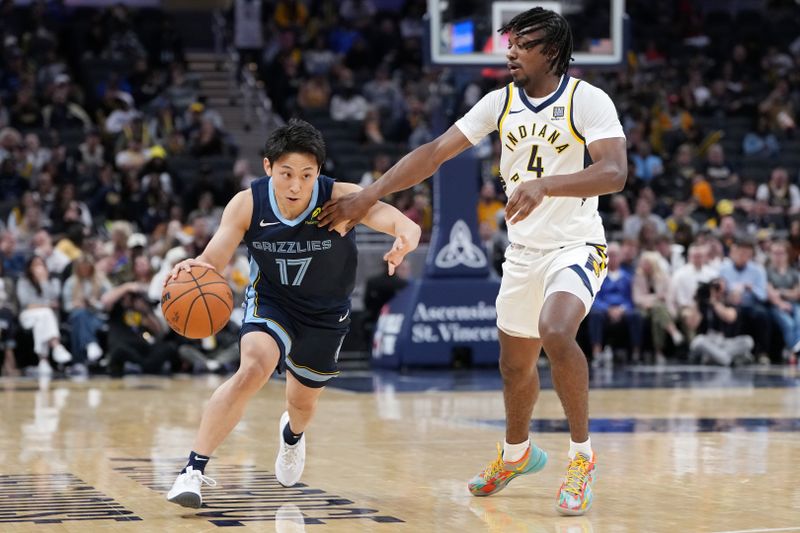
[580, 447]
[514, 452]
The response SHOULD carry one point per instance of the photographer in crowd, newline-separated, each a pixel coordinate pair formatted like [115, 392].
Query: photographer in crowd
[715, 344]
[134, 332]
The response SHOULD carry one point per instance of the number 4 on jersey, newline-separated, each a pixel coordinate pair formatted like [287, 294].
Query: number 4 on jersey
[535, 162]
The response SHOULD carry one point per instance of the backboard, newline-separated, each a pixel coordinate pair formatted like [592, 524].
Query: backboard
[464, 32]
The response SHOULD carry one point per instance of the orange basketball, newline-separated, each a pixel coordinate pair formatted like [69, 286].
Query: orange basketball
[197, 304]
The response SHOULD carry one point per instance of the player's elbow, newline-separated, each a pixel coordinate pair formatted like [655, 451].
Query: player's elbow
[617, 175]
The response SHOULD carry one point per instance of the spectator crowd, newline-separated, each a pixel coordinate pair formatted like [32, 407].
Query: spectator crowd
[110, 171]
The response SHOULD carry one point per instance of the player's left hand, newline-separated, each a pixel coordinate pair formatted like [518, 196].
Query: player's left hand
[403, 245]
[525, 198]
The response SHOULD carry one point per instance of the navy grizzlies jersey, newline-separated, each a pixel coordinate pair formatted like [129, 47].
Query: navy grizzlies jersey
[307, 271]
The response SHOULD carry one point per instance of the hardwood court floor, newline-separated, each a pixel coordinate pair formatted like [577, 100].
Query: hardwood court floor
[698, 453]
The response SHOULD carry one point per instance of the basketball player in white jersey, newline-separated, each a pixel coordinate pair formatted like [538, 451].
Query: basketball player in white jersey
[556, 261]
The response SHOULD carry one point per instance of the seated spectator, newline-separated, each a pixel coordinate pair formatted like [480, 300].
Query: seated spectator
[133, 332]
[39, 297]
[644, 212]
[782, 198]
[11, 256]
[671, 255]
[760, 142]
[383, 94]
[721, 175]
[181, 91]
[620, 211]
[778, 108]
[207, 141]
[8, 325]
[783, 290]
[746, 283]
[319, 59]
[614, 305]
[91, 153]
[315, 94]
[82, 301]
[36, 156]
[55, 260]
[26, 114]
[488, 206]
[123, 113]
[346, 103]
[680, 217]
[648, 165]
[373, 133]
[683, 287]
[650, 286]
[675, 183]
[715, 343]
[62, 113]
[380, 164]
[727, 233]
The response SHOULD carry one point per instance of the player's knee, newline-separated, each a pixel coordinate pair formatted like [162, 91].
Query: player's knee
[515, 366]
[556, 337]
[254, 373]
[302, 403]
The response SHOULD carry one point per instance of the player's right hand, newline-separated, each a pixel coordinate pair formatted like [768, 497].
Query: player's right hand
[349, 209]
[186, 265]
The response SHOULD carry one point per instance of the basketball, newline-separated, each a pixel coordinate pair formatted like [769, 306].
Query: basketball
[197, 304]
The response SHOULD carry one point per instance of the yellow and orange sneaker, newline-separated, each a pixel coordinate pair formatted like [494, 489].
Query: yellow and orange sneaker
[575, 494]
[497, 475]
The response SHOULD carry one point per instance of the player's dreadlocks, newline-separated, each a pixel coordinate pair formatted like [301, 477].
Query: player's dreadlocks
[557, 38]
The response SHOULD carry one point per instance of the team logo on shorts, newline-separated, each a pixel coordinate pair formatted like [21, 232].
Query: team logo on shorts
[558, 112]
[600, 263]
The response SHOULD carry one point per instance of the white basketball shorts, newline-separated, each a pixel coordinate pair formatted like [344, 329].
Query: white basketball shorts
[530, 276]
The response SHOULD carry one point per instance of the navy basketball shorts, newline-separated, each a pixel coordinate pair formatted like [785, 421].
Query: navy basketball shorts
[310, 353]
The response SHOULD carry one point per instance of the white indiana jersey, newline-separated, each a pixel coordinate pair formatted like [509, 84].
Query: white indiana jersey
[547, 137]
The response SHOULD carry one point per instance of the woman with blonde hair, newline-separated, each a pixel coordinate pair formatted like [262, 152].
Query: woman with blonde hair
[650, 286]
[81, 300]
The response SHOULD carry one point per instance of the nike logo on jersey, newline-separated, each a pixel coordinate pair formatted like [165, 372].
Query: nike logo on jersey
[344, 317]
[515, 112]
[265, 224]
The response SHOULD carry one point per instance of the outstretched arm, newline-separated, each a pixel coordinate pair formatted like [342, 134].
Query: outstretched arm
[386, 219]
[607, 174]
[412, 169]
[234, 224]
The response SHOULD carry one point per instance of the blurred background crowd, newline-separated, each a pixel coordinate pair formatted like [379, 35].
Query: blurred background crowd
[115, 164]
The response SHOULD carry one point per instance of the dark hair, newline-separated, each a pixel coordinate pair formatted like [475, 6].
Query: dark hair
[29, 273]
[557, 38]
[298, 136]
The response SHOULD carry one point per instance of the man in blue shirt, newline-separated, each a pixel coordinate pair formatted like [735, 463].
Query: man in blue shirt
[614, 305]
[746, 283]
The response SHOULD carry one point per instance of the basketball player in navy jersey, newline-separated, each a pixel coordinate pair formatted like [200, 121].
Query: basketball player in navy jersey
[556, 262]
[298, 302]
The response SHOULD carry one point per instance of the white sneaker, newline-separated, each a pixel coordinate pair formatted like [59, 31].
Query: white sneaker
[186, 489]
[289, 519]
[93, 352]
[291, 459]
[61, 355]
[44, 369]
